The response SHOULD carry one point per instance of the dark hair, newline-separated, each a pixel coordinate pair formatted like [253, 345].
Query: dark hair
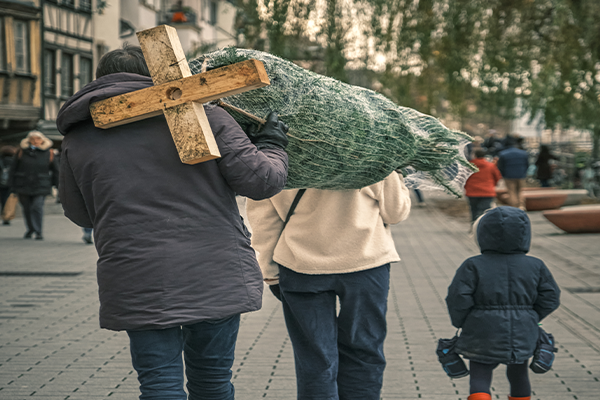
[479, 153]
[544, 150]
[128, 59]
[511, 141]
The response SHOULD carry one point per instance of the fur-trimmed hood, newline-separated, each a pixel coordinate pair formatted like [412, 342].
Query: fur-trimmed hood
[46, 144]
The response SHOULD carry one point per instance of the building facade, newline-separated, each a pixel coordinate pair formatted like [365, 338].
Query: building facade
[20, 66]
[67, 55]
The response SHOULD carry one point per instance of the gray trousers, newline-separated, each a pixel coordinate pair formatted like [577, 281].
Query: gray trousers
[33, 211]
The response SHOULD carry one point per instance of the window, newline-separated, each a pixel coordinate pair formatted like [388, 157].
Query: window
[21, 46]
[49, 72]
[213, 12]
[70, 3]
[85, 5]
[85, 71]
[2, 46]
[66, 75]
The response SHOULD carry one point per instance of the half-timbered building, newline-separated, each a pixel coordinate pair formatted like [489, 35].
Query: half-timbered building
[20, 67]
[67, 58]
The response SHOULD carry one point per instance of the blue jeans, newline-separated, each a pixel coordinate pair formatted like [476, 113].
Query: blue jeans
[337, 356]
[479, 205]
[33, 211]
[208, 349]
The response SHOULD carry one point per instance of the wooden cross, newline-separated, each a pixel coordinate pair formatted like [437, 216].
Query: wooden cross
[178, 94]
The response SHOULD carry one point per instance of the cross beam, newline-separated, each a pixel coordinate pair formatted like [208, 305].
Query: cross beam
[178, 94]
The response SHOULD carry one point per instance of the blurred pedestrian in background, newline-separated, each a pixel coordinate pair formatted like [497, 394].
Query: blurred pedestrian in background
[337, 245]
[492, 143]
[476, 144]
[588, 179]
[420, 198]
[513, 164]
[544, 168]
[480, 188]
[87, 235]
[33, 174]
[7, 202]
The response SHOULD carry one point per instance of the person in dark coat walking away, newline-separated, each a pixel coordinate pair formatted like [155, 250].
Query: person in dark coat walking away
[33, 173]
[480, 188]
[492, 143]
[175, 267]
[498, 298]
[513, 164]
[544, 170]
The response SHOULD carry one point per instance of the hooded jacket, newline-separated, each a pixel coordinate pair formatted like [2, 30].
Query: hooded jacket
[34, 170]
[499, 297]
[172, 247]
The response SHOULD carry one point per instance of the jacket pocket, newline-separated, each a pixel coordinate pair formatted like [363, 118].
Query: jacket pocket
[44, 181]
[19, 179]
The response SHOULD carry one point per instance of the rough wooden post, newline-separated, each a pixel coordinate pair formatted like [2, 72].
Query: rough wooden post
[188, 123]
[178, 94]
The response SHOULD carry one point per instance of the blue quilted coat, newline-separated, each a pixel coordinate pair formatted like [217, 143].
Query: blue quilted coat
[499, 297]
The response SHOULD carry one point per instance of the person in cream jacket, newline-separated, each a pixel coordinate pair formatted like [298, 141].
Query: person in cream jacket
[336, 245]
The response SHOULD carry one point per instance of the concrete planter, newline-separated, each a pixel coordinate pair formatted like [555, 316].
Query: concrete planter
[544, 200]
[576, 219]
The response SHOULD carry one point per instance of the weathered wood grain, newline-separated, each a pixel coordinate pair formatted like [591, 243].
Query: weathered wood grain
[178, 95]
[163, 53]
[208, 86]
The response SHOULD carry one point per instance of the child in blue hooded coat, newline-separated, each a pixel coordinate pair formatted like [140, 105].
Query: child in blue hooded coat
[498, 298]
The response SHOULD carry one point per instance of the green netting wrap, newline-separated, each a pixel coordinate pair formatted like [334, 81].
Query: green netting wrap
[343, 136]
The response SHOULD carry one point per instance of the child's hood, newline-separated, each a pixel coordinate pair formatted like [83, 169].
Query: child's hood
[504, 230]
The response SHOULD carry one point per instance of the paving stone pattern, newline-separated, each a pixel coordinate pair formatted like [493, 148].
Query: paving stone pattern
[52, 348]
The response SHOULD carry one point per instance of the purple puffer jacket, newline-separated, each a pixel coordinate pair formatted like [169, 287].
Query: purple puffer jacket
[173, 249]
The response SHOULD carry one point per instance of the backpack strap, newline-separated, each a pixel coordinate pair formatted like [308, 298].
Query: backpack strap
[293, 207]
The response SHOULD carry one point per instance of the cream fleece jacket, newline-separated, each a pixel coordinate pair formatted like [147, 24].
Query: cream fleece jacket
[330, 232]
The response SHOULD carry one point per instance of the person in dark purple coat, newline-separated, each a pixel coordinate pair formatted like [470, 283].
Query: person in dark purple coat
[175, 267]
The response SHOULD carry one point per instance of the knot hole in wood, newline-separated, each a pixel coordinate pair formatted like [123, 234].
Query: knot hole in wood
[174, 93]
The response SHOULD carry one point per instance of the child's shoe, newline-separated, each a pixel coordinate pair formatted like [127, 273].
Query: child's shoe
[480, 396]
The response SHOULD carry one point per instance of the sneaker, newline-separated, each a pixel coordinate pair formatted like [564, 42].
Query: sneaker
[87, 238]
[28, 235]
[39, 236]
[5, 222]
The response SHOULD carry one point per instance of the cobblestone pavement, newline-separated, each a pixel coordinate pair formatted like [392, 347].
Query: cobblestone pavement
[52, 348]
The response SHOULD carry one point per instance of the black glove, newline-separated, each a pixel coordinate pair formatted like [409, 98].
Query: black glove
[276, 291]
[272, 135]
